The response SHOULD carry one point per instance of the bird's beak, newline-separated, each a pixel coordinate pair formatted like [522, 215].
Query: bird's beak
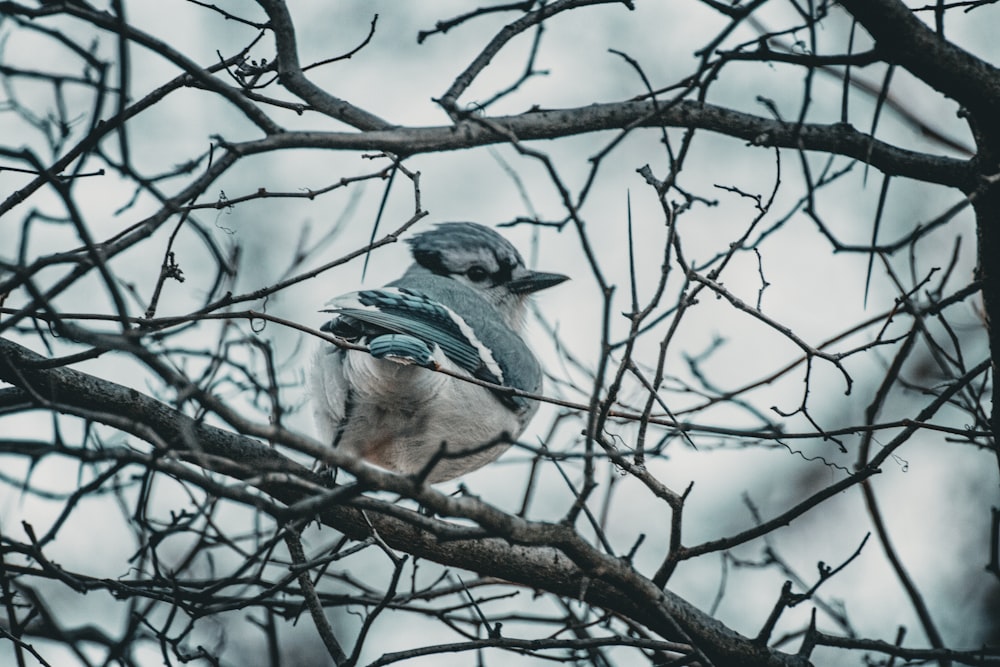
[526, 282]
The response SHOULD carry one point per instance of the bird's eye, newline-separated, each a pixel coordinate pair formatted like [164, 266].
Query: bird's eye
[477, 274]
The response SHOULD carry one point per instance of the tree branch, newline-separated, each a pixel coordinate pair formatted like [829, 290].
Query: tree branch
[902, 38]
[541, 556]
[837, 138]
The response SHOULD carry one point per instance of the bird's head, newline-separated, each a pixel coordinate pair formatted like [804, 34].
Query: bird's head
[485, 261]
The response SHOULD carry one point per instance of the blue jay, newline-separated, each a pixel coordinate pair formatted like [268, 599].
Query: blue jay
[460, 306]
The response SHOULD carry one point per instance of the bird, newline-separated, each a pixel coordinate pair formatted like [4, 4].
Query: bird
[460, 307]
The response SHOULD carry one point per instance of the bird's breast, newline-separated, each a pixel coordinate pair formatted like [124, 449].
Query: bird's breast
[402, 415]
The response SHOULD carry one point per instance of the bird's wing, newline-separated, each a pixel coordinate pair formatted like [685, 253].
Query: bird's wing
[415, 314]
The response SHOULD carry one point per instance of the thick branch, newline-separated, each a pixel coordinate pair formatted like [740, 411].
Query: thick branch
[566, 565]
[975, 84]
[294, 80]
[837, 138]
[902, 38]
[987, 209]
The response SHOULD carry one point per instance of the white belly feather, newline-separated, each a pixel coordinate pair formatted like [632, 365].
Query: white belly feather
[399, 416]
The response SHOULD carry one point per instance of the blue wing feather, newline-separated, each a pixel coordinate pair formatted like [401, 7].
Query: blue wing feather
[401, 348]
[415, 314]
